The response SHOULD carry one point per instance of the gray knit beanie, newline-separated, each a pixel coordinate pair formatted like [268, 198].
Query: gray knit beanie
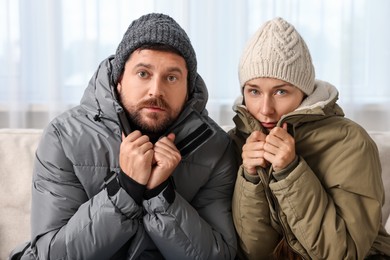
[278, 51]
[155, 29]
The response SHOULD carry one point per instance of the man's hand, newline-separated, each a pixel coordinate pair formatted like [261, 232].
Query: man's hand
[253, 152]
[165, 160]
[279, 148]
[147, 164]
[136, 156]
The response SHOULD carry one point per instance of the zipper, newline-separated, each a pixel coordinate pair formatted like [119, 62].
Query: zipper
[291, 131]
[272, 198]
[282, 224]
[140, 239]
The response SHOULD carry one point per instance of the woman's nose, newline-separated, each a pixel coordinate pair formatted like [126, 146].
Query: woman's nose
[267, 107]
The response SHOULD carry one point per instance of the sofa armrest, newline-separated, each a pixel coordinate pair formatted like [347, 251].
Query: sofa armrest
[382, 140]
[387, 225]
[17, 149]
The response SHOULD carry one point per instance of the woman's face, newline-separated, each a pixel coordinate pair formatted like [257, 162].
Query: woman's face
[268, 99]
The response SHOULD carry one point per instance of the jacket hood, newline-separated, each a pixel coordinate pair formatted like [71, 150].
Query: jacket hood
[100, 98]
[324, 93]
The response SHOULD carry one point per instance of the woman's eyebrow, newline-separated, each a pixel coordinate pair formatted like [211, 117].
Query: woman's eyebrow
[283, 85]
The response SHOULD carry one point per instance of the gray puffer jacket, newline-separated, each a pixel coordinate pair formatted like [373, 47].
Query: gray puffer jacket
[73, 215]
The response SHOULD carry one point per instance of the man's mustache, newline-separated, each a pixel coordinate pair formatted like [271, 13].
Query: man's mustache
[154, 102]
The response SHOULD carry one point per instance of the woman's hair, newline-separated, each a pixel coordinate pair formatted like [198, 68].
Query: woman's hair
[284, 251]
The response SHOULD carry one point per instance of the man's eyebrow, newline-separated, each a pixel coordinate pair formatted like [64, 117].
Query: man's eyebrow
[175, 69]
[143, 65]
[149, 66]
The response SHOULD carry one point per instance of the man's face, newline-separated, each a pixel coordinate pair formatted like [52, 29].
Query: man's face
[153, 89]
[268, 99]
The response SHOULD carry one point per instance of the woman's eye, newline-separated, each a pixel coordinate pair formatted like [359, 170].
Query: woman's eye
[253, 91]
[280, 92]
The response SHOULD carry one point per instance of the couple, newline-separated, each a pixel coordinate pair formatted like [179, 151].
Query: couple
[139, 171]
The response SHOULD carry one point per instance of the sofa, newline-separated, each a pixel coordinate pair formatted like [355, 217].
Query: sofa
[17, 148]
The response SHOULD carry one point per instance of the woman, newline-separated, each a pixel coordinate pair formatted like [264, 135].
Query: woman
[309, 185]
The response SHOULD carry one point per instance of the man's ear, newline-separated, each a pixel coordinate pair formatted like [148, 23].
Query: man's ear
[119, 84]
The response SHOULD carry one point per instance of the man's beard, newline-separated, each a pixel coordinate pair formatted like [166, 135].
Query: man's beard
[156, 128]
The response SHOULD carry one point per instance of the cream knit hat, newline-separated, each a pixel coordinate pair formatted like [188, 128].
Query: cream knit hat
[278, 51]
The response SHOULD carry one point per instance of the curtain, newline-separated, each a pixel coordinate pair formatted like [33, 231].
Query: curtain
[50, 49]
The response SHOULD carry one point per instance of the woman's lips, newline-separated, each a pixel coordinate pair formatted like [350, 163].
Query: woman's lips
[268, 125]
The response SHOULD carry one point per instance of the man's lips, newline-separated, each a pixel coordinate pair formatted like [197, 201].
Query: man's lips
[154, 108]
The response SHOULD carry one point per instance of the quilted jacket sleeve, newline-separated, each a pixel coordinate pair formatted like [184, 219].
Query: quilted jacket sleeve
[66, 224]
[335, 212]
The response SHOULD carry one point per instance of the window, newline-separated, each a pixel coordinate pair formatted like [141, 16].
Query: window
[50, 49]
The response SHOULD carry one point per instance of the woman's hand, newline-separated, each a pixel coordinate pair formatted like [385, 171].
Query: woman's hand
[279, 148]
[253, 152]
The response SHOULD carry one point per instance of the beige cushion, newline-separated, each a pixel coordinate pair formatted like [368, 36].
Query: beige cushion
[17, 148]
[382, 139]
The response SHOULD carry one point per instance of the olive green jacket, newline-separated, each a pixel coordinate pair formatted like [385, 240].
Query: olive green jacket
[328, 205]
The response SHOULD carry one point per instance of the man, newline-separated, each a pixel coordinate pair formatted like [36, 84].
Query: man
[138, 170]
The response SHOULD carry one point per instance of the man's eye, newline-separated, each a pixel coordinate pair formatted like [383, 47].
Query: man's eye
[142, 74]
[172, 78]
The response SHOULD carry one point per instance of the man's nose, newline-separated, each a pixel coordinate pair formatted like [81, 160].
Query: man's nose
[156, 88]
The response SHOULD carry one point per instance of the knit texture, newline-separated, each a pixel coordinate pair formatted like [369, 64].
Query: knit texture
[278, 51]
[155, 29]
